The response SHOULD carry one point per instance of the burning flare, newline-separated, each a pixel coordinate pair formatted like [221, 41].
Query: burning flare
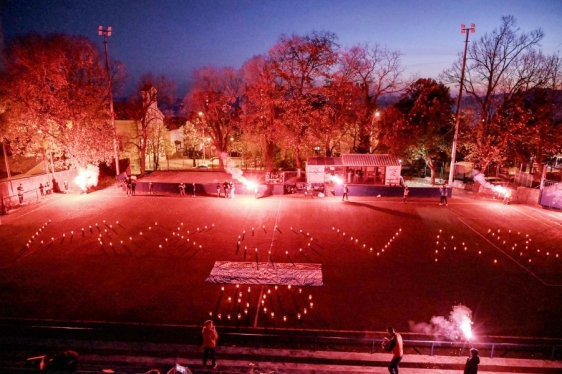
[87, 177]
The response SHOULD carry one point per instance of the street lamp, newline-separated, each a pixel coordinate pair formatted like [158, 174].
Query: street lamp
[376, 115]
[105, 34]
[200, 120]
[464, 30]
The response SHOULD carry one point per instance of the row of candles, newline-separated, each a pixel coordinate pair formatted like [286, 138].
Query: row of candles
[300, 314]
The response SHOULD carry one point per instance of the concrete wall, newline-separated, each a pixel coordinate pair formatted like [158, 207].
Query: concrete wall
[9, 192]
[205, 189]
[365, 190]
[529, 196]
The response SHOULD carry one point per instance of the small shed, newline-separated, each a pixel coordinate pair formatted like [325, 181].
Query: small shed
[374, 169]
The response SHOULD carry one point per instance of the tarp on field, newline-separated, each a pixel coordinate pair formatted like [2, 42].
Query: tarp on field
[294, 274]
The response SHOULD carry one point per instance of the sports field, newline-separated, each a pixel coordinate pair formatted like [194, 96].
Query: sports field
[111, 258]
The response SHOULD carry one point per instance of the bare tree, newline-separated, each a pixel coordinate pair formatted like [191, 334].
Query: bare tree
[148, 106]
[500, 65]
[377, 71]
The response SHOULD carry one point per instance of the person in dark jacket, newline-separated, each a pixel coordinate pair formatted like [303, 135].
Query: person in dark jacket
[471, 366]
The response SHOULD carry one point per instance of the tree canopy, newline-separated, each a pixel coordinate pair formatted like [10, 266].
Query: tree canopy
[55, 96]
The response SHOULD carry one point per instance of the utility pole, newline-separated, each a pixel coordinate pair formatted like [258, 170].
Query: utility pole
[467, 31]
[105, 34]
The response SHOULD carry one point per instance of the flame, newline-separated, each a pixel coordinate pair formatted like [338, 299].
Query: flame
[250, 184]
[500, 189]
[466, 327]
[336, 179]
[87, 177]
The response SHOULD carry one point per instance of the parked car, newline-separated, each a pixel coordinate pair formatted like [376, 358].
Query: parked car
[202, 166]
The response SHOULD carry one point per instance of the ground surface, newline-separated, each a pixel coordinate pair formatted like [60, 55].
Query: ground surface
[513, 288]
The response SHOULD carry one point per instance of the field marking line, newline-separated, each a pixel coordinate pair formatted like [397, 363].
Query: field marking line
[270, 248]
[258, 307]
[511, 258]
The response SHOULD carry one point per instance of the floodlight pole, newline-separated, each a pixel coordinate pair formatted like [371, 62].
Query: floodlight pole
[7, 164]
[467, 31]
[105, 34]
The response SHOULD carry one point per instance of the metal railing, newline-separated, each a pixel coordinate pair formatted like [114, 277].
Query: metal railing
[12, 202]
[428, 347]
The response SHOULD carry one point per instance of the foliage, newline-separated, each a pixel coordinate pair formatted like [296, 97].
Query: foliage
[301, 66]
[420, 124]
[261, 108]
[55, 99]
[215, 95]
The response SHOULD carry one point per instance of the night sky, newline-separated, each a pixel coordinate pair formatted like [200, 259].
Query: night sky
[173, 37]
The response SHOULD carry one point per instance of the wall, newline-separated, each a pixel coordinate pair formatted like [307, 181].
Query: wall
[8, 193]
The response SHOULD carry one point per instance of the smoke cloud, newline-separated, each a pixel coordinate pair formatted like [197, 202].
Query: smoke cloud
[230, 168]
[456, 326]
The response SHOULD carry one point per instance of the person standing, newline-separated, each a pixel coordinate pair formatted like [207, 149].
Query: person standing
[210, 338]
[443, 191]
[393, 343]
[128, 186]
[225, 185]
[182, 189]
[20, 193]
[218, 190]
[193, 185]
[345, 195]
[507, 197]
[471, 366]
[133, 186]
[150, 188]
[406, 192]
[231, 190]
[41, 189]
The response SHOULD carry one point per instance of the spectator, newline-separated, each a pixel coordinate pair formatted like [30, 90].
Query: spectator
[471, 366]
[20, 193]
[393, 343]
[210, 338]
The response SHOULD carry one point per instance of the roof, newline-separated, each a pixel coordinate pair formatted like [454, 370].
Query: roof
[357, 159]
[324, 161]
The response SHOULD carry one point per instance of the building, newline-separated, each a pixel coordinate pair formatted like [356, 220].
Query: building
[367, 169]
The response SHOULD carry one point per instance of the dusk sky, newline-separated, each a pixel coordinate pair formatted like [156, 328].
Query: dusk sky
[173, 37]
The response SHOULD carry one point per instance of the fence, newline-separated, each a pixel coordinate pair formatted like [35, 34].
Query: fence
[372, 345]
[551, 194]
[11, 202]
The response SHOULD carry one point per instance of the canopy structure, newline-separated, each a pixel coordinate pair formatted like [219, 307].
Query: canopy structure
[376, 169]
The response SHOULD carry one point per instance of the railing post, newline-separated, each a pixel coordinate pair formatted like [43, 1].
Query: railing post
[314, 346]
[432, 345]
[492, 352]
[373, 348]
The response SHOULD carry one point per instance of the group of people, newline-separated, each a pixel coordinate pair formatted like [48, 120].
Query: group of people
[131, 185]
[228, 188]
[46, 189]
[182, 188]
[442, 194]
